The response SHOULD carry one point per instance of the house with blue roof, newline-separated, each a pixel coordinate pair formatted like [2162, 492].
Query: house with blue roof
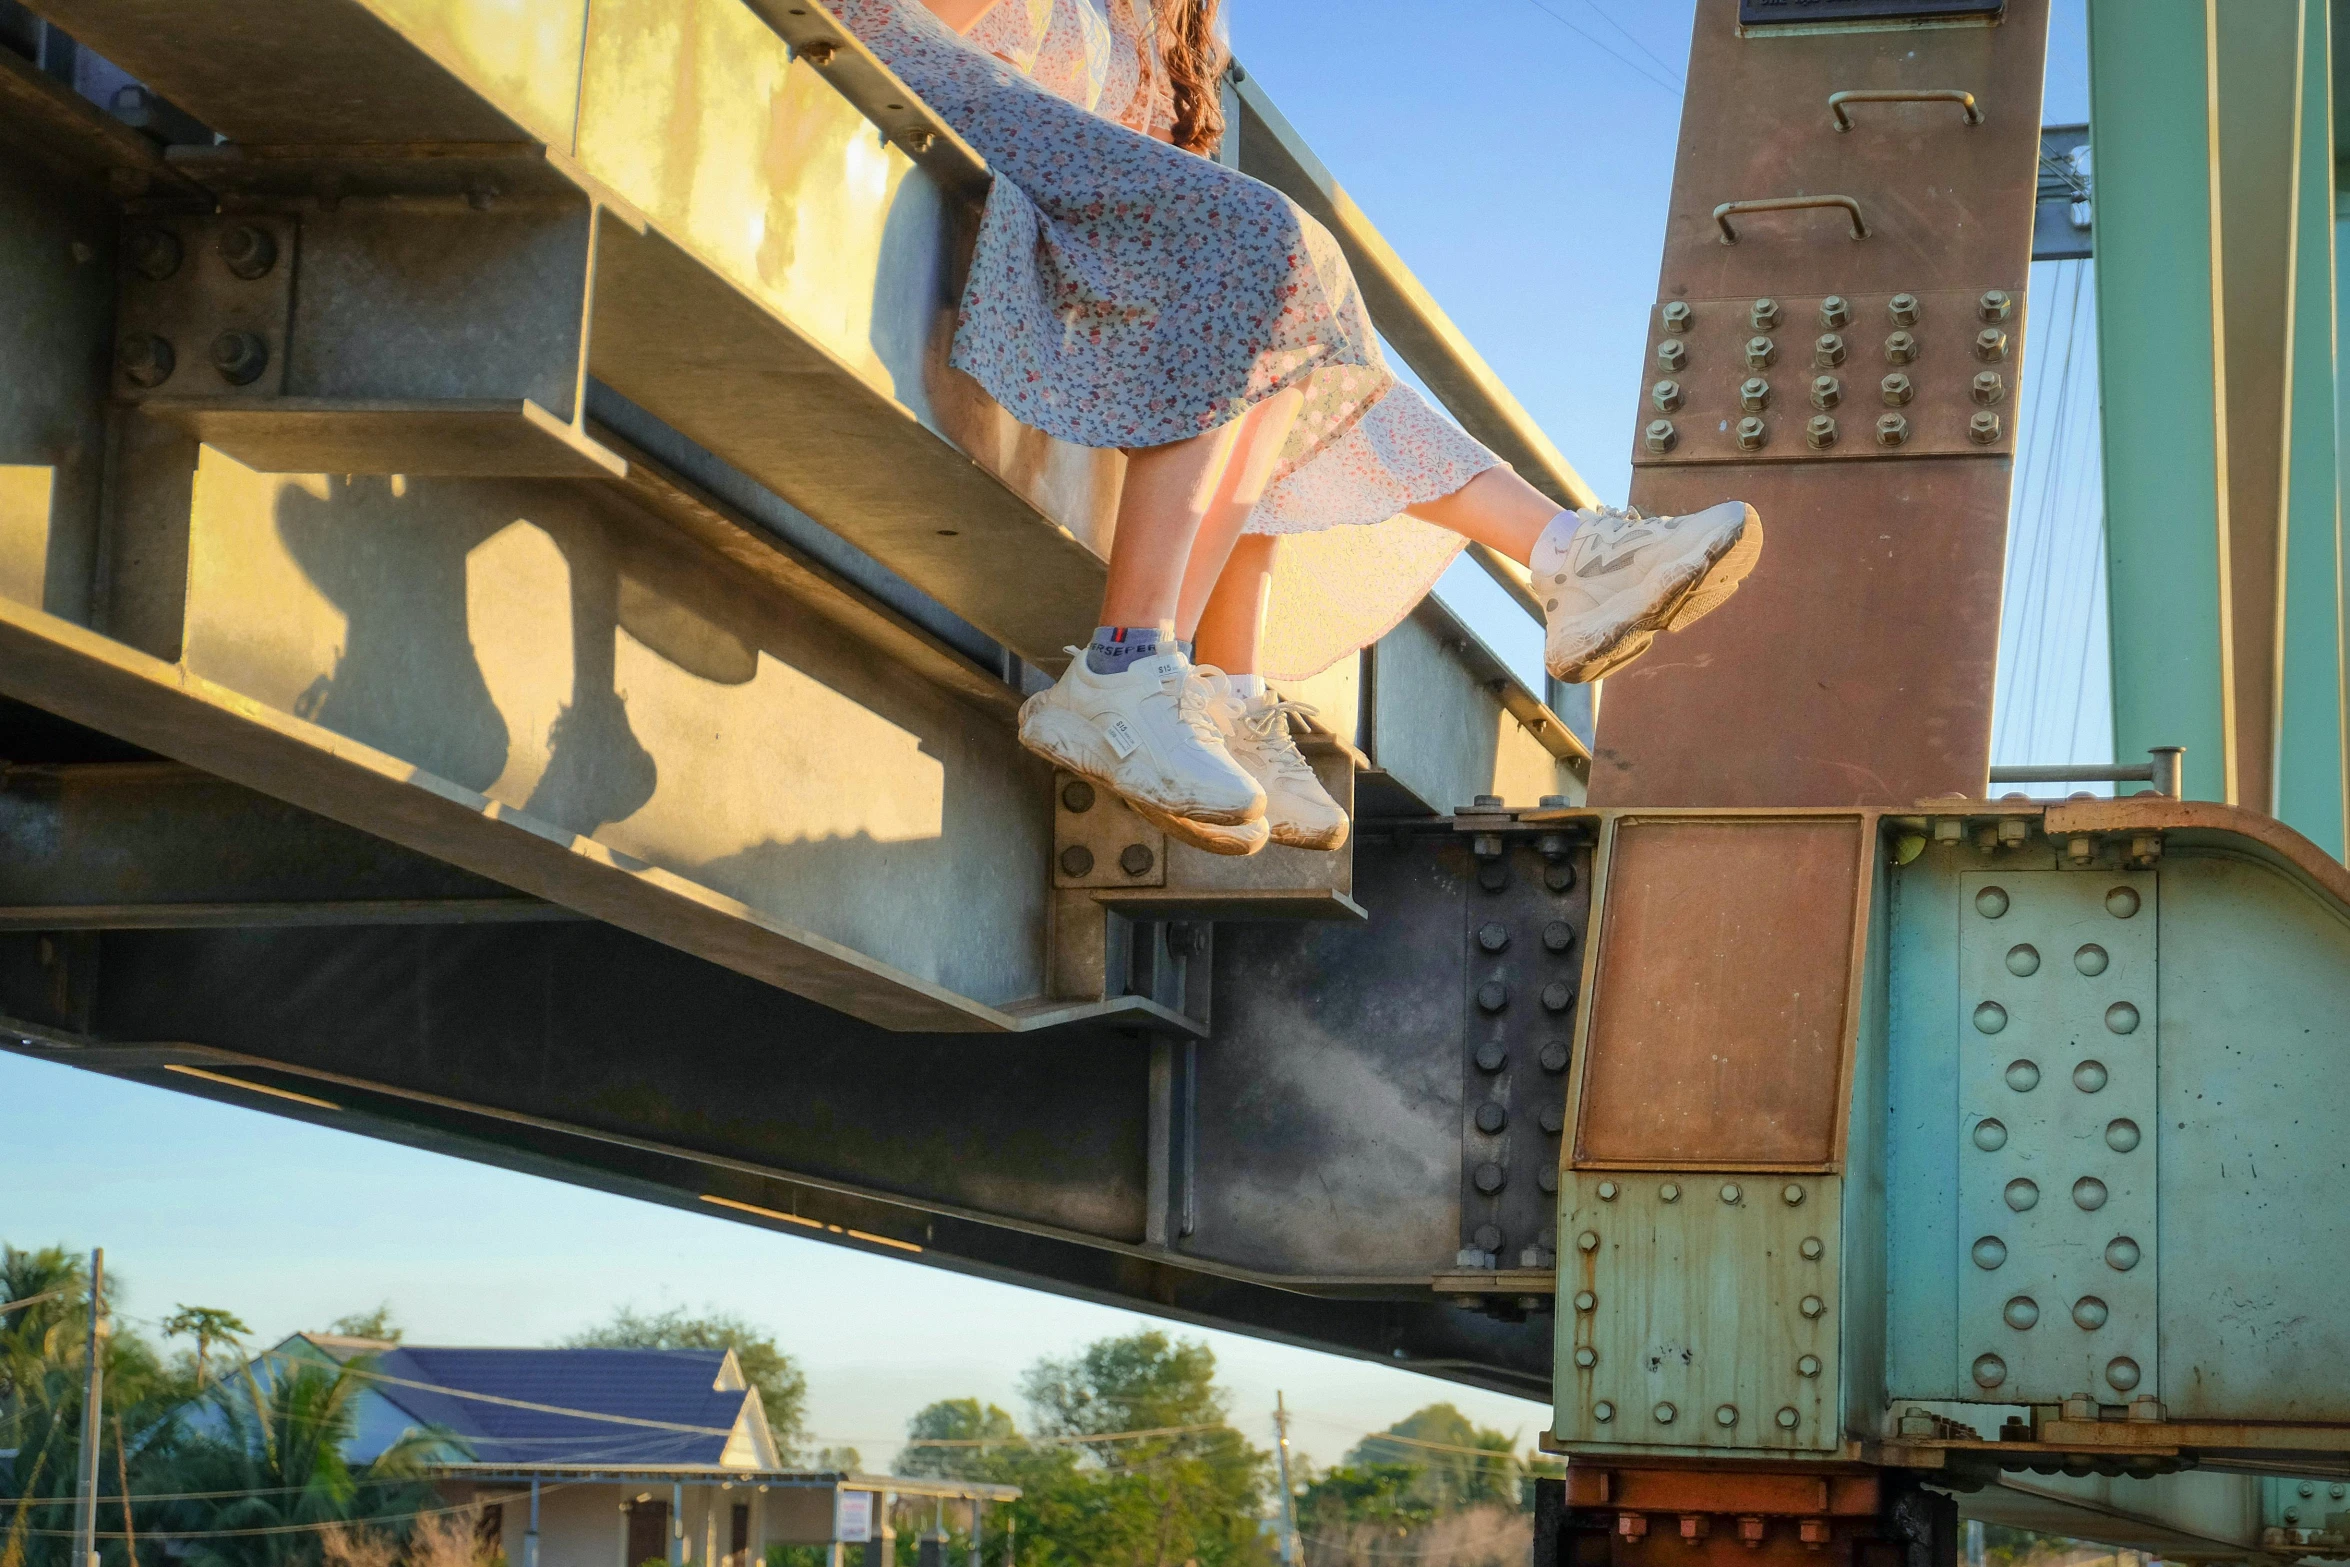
[615, 1457]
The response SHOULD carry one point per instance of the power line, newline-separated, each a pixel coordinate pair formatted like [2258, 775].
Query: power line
[1595, 9]
[1629, 64]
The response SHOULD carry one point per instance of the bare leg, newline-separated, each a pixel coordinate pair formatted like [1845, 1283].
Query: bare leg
[1168, 492]
[1264, 430]
[1496, 508]
[1234, 619]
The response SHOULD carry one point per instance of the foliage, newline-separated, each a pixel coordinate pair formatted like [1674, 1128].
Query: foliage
[1456, 1462]
[378, 1325]
[782, 1386]
[204, 1324]
[1381, 1496]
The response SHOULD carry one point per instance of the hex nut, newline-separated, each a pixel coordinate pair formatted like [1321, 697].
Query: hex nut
[1751, 434]
[1792, 1194]
[1586, 1356]
[1761, 353]
[1608, 1191]
[1492, 996]
[1492, 1056]
[1904, 309]
[1136, 859]
[1820, 432]
[1491, 1178]
[1754, 394]
[155, 253]
[1660, 436]
[1896, 389]
[1826, 392]
[1665, 1414]
[1557, 996]
[1892, 429]
[1994, 305]
[1988, 387]
[1672, 354]
[1669, 1192]
[1554, 1119]
[1983, 428]
[1788, 1419]
[1077, 796]
[145, 359]
[1812, 1306]
[1827, 350]
[249, 251]
[1557, 936]
[1554, 1056]
[1727, 1415]
[1808, 1366]
[1666, 395]
[1585, 1300]
[1677, 316]
[1077, 860]
[1603, 1411]
[1991, 344]
[1493, 936]
[240, 357]
[1764, 315]
[1812, 1248]
[1492, 1118]
[1587, 1241]
[1901, 349]
[1835, 311]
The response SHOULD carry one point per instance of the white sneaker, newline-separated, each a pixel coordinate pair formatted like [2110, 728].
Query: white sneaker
[1145, 734]
[1298, 810]
[1621, 578]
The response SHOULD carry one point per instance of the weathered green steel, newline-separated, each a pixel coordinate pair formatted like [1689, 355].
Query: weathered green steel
[2153, 109]
[2311, 770]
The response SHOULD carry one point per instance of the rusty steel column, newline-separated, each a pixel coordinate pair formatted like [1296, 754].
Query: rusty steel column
[1838, 341]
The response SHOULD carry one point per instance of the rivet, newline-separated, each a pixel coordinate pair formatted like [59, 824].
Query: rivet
[2121, 1254]
[2020, 1313]
[1791, 1194]
[1672, 354]
[1754, 394]
[1904, 309]
[1812, 1248]
[1665, 1414]
[1554, 1119]
[1835, 311]
[1493, 936]
[155, 253]
[1554, 1056]
[1077, 860]
[1989, 1253]
[1557, 996]
[1764, 315]
[1813, 1306]
[1751, 435]
[1989, 1371]
[2122, 1372]
[1677, 315]
[1990, 1018]
[1603, 1411]
[1077, 796]
[2122, 1018]
[240, 357]
[1608, 1191]
[1660, 436]
[1727, 1415]
[2091, 959]
[2307, 1489]
[2090, 1076]
[1557, 936]
[1991, 344]
[2022, 1195]
[2089, 1194]
[145, 359]
[1991, 902]
[1761, 353]
[1492, 996]
[1136, 859]
[1787, 1418]
[248, 251]
[1666, 395]
[2122, 902]
[1492, 1117]
[1826, 391]
[1808, 1366]
[1585, 1300]
[1492, 1056]
[1901, 348]
[1586, 1356]
[2122, 1135]
[1669, 1192]
[2338, 1491]
[1990, 1135]
[1491, 1178]
[1892, 429]
[1988, 387]
[1827, 351]
[2023, 1076]
[1731, 1192]
[1819, 432]
[2090, 1313]
[1587, 1241]
[2023, 960]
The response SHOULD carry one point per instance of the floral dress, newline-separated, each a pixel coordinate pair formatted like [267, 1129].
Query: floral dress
[1127, 293]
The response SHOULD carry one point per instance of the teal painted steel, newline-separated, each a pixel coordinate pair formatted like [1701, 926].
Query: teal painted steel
[2152, 95]
[2313, 769]
[1921, 1115]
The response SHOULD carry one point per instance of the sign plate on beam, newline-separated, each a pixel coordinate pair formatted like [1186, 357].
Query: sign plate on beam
[2061, 216]
[1784, 13]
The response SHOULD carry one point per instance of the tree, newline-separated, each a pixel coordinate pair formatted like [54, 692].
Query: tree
[378, 1325]
[1456, 1462]
[781, 1385]
[204, 1324]
[968, 1437]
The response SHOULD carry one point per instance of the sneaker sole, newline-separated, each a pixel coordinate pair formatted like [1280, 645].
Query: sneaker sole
[1322, 842]
[1238, 842]
[1707, 590]
[1037, 736]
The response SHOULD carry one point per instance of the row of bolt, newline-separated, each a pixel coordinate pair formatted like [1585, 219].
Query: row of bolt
[1828, 350]
[1821, 431]
[1993, 305]
[1493, 996]
[1725, 1416]
[1814, 1533]
[238, 357]
[1136, 859]
[1755, 394]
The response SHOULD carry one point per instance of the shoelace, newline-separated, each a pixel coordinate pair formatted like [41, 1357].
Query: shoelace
[1272, 731]
[1193, 707]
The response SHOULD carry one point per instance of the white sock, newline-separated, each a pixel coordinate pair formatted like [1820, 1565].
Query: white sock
[1550, 545]
[1249, 687]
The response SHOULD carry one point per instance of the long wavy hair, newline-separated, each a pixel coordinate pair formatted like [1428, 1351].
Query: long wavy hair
[1193, 48]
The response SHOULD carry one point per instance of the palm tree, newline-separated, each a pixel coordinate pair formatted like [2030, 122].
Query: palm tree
[204, 1324]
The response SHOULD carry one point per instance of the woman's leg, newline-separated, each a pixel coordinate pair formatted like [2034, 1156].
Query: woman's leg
[1497, 509]
[1262, 432]
[1227, 629]
[1169, 492]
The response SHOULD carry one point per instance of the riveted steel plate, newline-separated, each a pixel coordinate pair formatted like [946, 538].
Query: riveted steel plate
[1699, 1310]
[1098, 840]
[179, 288]
[2057, 1133]
[1935, 353]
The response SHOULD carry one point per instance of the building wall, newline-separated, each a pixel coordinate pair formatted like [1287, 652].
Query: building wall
[584, 1525]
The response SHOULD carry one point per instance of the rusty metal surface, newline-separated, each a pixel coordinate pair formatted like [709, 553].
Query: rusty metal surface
[458, 438]
[1723, 995]
[1856, 664]
[1745, 1489]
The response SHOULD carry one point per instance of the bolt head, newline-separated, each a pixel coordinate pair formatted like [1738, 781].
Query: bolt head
[1754, 394]
[1813, 1307]
[1492, 1118]
[1492, 996]
[1812, 1248]
[1901, 349]
[1897, 389]
[2090, 1313]
[1983, 428]
[1733, 1193]
[145, 359]
[1669, 1192]
[1586, 1356]
[1988, 387]
[1819, 433]
[1491, 1178]
[1808, 1366]
[1554, 1119]
[1826, 392]
[1585, 1300]
[2122, 1372]
[1991, 344]
[1665, 1414]
[1557, 936]
[240, 357]
[155, 253]
[1608, 1191]
[1492, 1056]
[1727, 1415]
[1493, 936]
[1557, 996]
[1792, 1194]
[1751, 434]
[1671, 354]
[1588, 1241]
[1989, 1371]
[1666, 395]
[1660, 436]
[248, 250]
[1761, 353]
[1994, 305]
[1904, 309]
[1835, 311]
[1892, 430]
[1554, 1056]
[1603, 1411]
[1077, 860]
[1827, 351]
[1077, 796]
[1764, 315]
[1136, 859]
[1788, 1420]
[2020, 1313]
[1677, 316]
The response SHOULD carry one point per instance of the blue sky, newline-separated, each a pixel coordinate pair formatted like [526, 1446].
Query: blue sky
[1519, 155]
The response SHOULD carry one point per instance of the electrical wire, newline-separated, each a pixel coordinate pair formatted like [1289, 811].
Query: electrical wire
[1629, 64]
[1597, 10]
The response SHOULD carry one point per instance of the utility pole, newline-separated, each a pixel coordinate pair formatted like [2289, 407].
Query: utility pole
[93, 1386]
[1288, 1497]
